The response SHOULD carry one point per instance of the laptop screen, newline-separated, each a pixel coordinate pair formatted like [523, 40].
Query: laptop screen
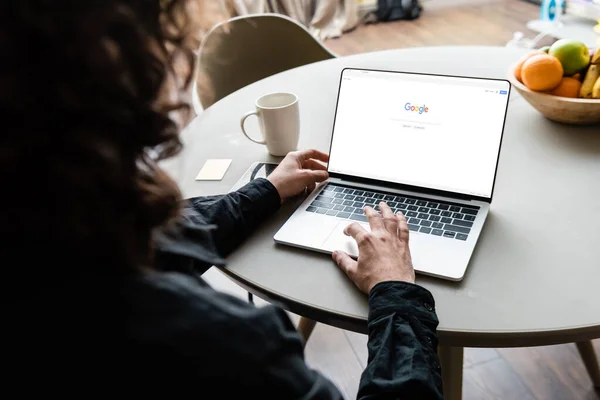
[430, 131]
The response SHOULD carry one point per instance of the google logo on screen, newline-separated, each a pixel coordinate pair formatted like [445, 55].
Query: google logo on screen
[420, 109]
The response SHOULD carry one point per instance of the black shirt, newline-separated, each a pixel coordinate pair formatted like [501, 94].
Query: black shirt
[182, 332]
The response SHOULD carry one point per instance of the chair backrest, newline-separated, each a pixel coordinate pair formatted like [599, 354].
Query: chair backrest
[245, 49]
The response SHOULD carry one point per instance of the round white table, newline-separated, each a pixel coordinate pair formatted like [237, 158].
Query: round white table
[534, 278]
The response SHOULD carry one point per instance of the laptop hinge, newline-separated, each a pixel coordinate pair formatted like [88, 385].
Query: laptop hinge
[346, 179]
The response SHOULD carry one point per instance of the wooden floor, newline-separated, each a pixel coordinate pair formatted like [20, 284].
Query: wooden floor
[541, 373]
[470, 22]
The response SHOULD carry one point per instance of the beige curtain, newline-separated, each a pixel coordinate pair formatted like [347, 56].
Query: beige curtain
[323, 18]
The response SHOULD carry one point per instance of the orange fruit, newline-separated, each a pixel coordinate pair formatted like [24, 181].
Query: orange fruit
[568, 87]
[519, 64]
[542, 72]
[576, 76]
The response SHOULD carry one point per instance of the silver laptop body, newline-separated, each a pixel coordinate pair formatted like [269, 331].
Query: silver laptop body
[428, 145]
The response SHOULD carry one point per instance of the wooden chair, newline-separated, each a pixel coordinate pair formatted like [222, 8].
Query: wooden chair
[245, 49]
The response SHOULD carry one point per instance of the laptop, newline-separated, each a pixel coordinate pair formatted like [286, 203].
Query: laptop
[428, 145]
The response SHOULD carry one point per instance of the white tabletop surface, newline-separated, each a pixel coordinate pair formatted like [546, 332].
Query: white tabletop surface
[535, 275]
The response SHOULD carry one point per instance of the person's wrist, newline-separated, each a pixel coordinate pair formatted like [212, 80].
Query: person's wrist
[278, 185]
[405, 279]
[273, 190]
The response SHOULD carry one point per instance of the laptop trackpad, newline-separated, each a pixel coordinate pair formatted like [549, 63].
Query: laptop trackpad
[337, 240]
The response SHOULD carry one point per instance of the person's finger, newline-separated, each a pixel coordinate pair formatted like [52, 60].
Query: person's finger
[355, 230]
[315, 165]
[375, 220]
[403, 232]
[311, 187]
[309, 177]
[312, 153]
[345, 262]
[319, 176]
[389, 220]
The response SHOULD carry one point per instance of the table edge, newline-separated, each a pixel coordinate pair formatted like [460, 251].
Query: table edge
[448, 338]
[328, 317]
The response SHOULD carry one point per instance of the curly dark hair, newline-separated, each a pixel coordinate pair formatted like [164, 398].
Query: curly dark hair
[85, 125]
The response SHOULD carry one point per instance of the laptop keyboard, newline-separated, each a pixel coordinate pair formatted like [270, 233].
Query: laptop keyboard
[437, 218]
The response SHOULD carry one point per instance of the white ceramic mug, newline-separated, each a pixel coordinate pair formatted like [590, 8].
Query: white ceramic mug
[279, 119]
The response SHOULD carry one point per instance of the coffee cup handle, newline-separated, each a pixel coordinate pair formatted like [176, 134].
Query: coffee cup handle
[244, 130]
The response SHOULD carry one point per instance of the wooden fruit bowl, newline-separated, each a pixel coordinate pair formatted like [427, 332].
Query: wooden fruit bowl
[560, 109]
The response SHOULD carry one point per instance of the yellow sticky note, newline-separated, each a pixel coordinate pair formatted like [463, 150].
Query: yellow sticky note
[213, 170]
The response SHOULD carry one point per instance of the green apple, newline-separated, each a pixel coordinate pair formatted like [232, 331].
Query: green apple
[572, 54]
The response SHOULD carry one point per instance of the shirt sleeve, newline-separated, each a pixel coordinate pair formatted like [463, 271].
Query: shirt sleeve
[403, 361]
[235, 215]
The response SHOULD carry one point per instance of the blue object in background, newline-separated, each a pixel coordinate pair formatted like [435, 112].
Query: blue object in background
[551, 9]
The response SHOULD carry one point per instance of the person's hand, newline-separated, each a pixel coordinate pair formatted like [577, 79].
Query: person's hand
[299, 170]
[383, 253]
